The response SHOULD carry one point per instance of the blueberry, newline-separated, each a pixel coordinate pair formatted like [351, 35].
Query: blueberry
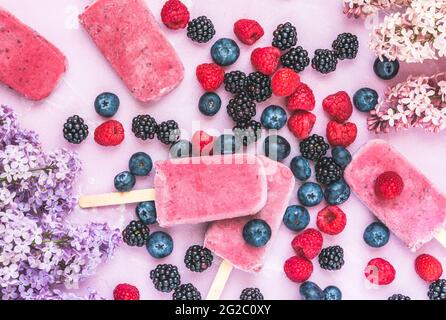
[273, 117]
[365, 99]
[332, 293]
[337, 193]
[296, 218]
[300, 168]
[146, 212]
[225, 52]
[181, 149]
[311, 291]
[124, 181]
[257, 232]
[107, 104]
[386, 69]
[140, 164]
[209, 104]
[310, 194]
[341, 156]
[159, 245]
[227, 144]
[376, 235]
[276, 147]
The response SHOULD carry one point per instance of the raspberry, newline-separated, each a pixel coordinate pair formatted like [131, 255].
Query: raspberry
[285, 82]
[308, 244]
[175, 15]
[298, 269]
[266, 60]
[248, 31]
[125, 291]
[331, 220]
[339, 106]
[341, 134]
[379, 271]
[210, 76]
[110, 133]
[389, 185]
[202, 143]
[428, 267]
[301, 99]
[301, 123]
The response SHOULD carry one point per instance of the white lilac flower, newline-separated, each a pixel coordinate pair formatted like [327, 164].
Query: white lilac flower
[417, 102]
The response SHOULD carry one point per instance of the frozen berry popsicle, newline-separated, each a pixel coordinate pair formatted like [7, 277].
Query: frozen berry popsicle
[29, 64]
[201, 189]
[131, 40]
[417, 214]
[215, 188]
[225, 238]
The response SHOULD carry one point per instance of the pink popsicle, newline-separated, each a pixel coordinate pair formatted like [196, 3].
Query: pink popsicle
[417, 214]
[29, 64]
[225, 237]
[195, 190]
[130, 38]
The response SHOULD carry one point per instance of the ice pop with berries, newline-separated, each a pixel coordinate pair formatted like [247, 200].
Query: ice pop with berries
[225, 238]
[29, 64]
[398, 194]
[196, 190]
[131, 40]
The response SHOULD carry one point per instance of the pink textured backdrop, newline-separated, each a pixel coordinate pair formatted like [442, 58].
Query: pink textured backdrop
[318, 22]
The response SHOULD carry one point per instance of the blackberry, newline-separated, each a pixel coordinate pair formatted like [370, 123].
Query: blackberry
[346, 46]
[296, 59]
[324, 61]
[165, 277]
[198, 258]
[285, 36]
[144, 127]
[248, 132]
[259, 87]
[200, 29]
[251, 294]
[331, 258]
[235, 82]
[75, 130]
[186, 292]
[398, 297]
[168, 132]
[327, 171]
[437, 290]
[241, 108]
[313, 147]
[136, 234]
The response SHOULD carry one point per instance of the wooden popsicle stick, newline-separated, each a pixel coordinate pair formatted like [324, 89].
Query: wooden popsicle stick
[441, 237]
[116, 198]
[220, 280]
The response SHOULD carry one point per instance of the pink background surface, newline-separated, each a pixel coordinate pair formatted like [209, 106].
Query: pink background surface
[318, 23]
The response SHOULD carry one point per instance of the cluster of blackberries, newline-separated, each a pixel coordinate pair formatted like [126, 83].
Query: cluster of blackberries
[145, 127]
[345, 46]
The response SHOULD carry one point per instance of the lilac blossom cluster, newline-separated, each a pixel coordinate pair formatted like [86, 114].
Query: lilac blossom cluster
[40, 252]
[362, 8]
[414, 35]
[419, 102]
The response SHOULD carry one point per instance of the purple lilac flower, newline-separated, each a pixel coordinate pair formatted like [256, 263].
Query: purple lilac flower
[41, 253]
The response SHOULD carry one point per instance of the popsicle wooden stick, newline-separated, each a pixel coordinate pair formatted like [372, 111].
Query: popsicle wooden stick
[220, 280]
[116, 198]
[441, 237]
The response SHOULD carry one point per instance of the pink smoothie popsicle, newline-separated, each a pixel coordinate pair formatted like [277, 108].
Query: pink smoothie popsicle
[29, 64]
[417, 214]
[130, 38]
[225, 237]
[214, 188]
